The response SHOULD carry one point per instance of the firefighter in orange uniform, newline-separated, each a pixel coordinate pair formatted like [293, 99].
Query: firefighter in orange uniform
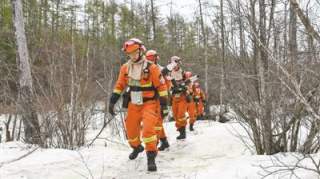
[179, 98]
[154, 57]
[191, 108]
[200, 100]
[146, 87]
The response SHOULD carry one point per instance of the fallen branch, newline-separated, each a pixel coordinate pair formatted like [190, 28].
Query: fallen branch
[105, 123]
[19, 158]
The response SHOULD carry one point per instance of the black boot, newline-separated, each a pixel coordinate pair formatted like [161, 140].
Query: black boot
[182, 131]
[134, 154]
[201, 117]
[164, 144]
[151, 155]
[191, 127]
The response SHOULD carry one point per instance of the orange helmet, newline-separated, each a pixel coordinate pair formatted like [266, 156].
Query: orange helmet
[188, 74]
[152, 56]
[197, 84]
[133, 45]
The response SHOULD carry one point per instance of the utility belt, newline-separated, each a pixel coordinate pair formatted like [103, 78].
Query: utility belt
[178, 90]
[134, 94]
[178, 94]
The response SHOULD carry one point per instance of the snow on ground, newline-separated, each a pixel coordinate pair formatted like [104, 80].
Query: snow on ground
[213, 151]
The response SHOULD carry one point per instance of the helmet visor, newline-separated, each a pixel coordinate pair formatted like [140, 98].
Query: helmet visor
[130, 46]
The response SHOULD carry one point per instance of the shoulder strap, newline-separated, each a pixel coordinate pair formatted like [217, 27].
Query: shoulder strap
[147, 68]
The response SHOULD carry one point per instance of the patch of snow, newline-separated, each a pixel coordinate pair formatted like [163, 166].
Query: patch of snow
[212, 151]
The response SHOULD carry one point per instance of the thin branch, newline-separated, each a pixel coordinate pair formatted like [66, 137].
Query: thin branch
[19, 158]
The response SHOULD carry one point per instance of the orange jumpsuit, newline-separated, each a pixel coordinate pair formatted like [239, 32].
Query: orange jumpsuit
[179, 107]
[148, 112]
[191, 109]
[159, 126]
[199, 98]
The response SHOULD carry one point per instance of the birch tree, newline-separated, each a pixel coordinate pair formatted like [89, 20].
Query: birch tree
[26, 94]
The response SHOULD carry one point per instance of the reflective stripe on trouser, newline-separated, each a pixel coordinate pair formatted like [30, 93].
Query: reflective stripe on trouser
[147, 114]
[160, 130]
[179, 108]
[159, 126]
[192, 112]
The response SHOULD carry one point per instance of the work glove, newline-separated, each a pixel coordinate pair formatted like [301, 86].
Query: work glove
[179, 88]
[183, 87]
[175, 90]
[111, 109]
[113, 100]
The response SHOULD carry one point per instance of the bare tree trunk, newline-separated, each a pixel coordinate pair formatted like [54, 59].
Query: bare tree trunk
[243, 53]
[147, 29]
[73, 88]
[304, 20]
[255, 42]
[308, 144]
[222, 83]
[294, 135]
[255, 124]
[14, 127]
[153, 20]
[113, 22]
[19, 130]
[311, 48]
[205, 45]
[25, 101]
[132, 18]
[285, 38]
[292, 38]
[292, 56]
[256, 136]
[262, 65]
[7, 125]
[1, 130]
[271, 20]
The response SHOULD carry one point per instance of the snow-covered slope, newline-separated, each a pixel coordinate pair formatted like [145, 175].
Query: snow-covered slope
[213, 151]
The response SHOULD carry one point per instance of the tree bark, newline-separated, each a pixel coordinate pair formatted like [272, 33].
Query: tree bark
[25, 101]
[305, 20]
[243, 53]
[222, 80]
[262, 65]
[153, 20]
[292, 37]
[205, 45]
